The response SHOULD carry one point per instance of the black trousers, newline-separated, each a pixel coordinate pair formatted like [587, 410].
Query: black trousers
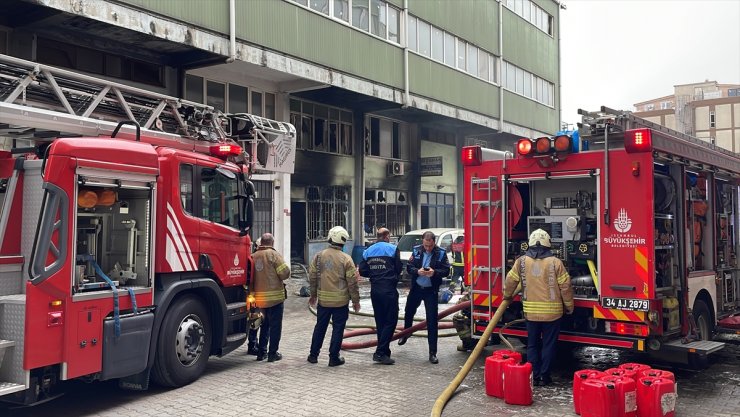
[385, 309]
[541, 338]
[271, 328]
[431, 302]
[338, 317]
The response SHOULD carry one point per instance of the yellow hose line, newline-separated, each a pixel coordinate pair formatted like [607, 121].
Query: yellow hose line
[594, 274]
[439, 405]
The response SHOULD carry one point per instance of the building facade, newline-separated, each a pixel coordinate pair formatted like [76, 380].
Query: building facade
[383, 93]
[707, 110]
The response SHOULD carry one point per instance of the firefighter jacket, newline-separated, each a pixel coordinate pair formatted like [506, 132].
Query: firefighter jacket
[458, 259]
[381, 262]
[439, 263]
[270, 270]
[545, 285]
[331, 277]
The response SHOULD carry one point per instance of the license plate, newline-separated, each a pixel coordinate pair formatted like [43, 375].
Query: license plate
[625, 304]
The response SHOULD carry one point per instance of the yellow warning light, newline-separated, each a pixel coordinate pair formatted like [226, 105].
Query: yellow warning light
[55, 303]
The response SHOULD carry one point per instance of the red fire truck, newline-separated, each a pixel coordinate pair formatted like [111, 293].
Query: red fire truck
[644, 218]
[124, 221]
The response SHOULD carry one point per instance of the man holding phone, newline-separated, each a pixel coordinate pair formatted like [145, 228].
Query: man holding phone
[427, 266]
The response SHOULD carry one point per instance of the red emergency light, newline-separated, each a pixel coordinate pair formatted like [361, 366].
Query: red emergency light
[524, 146]
[638, 140]
[544, 146]
[225, 150]
[472, 155]
[626, 328]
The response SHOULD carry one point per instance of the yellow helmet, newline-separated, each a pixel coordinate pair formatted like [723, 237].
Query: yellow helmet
[338, 235]
[539, 236]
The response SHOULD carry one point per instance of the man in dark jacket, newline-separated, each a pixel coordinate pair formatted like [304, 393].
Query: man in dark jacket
[381, 262]
[427, 266]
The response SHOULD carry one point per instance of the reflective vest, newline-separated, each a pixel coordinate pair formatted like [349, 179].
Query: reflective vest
[270, 270]
[331, 276]
[546, 287]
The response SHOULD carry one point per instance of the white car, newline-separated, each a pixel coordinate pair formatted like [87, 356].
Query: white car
[444, 239]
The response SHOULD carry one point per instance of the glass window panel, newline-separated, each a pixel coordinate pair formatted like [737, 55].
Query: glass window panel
[256, 103]
[333, 114]
[341, 10]
[346, 139]
[386, 137]
[425, 34]
[518, 7]
[438, 38]
[295, 105]
[412, 39]
[270, 105]
[472, 59]
[186, 188]
[396, 141]
[194, 88]
[526, 11]
[492, 67]
[377, 18]
[295, 120]
[449, 49]
[237, 99]
[449, 199]
[423, 199]
[216, 95]
[527, 84]
[440, 220]
[510, 76]
[333, 137]
[449, 217]
[320, 6]
[347, 116]
[461, 49]
[394, 27]
[360, 14]
[425, 215]
[307, 132]
[551, 91]
[546, 95]
[483, 61]
[319, 134]
[519, 80]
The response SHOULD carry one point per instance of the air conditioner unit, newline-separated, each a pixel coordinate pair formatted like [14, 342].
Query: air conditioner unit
[395, 168]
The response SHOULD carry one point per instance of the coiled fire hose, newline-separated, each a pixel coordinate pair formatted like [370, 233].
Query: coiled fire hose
[445, 396]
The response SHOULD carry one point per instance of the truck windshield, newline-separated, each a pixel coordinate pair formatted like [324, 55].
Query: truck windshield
[407, 242]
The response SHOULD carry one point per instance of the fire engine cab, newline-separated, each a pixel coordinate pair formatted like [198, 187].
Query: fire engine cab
[124, 230]
[644, 218]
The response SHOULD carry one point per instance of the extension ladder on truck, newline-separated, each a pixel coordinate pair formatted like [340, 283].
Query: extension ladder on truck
[482, 214]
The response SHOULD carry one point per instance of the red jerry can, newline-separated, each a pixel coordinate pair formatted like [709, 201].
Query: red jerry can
[636, 367]
[602, 398]
[508, 354]
[622, 372]
[659, 373]
[518, 383]
[493, 375]
[656, 397]
[626, 394]
[578, 378]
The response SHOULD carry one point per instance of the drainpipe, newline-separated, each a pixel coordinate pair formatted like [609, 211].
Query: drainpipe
[406, 98]
[561, 6]
[232, 32]
[500, 65]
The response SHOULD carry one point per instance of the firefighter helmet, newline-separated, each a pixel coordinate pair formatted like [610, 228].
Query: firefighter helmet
[539, 236]
[338, 236]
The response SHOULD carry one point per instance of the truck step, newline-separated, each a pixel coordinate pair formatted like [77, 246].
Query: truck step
[701, 346]
[9, 388]
[235, 336]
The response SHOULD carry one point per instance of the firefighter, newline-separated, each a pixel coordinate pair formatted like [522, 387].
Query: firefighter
[381, 262]
[271, 271]
[546, 294]
[427, 266]
[333, 279]
[458, 262]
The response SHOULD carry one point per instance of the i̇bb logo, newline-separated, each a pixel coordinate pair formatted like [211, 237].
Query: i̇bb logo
[623, 224]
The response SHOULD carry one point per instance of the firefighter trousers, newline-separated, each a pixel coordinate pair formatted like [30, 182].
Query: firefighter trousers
[541, 338]
[338, 317]
[385, 310]
[271, 328]
[431, 302]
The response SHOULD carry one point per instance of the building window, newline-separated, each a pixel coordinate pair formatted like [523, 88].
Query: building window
[322, 128]
[712, 120]
[216, 95]
[386, 138]
[326, 207]
[385, 208]
[532, 13]
[527, 84]
[341, 10]
[437, 210]
[230, 98]
[186, 188]
[263, 206]
[664, 105]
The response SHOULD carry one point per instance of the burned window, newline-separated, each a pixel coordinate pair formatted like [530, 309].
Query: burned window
[326, 207]
[385, 208]
[322, 128]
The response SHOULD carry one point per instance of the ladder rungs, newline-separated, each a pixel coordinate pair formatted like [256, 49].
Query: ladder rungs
[481, 224]
[480, 246]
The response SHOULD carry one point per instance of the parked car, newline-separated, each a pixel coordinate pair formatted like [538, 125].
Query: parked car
[444, 237]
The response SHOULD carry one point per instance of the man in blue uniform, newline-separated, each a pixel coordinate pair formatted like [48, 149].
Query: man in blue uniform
[381, 262]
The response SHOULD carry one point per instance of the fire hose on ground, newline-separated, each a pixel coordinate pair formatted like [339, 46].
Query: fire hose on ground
[439, 405]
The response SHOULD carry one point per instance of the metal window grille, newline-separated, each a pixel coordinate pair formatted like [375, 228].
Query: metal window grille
[326, 207]
[263, 209]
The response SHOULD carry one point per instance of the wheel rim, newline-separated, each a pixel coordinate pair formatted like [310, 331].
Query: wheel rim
[190, 340]
[703, 325]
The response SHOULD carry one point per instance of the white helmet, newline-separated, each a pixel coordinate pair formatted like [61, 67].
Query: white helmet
[539, 236]
[338, 235]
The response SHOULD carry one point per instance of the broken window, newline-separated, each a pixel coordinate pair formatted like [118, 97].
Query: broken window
[385, 208]
[326, 207]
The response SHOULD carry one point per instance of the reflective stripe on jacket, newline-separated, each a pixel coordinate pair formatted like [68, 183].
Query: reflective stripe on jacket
[546, 286]
[270, 270]
[331, 276]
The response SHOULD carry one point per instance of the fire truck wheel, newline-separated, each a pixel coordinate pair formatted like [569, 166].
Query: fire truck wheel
[184, 343]
[703, 320]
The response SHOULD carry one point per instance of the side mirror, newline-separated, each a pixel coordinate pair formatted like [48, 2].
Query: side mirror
[246, 209]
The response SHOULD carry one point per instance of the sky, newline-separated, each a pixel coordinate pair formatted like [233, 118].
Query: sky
[620, 52]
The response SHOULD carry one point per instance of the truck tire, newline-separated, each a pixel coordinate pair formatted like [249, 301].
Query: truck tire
[703, 320]
[184, 343]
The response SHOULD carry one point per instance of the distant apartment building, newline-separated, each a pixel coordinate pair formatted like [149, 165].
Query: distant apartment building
[707, 110]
